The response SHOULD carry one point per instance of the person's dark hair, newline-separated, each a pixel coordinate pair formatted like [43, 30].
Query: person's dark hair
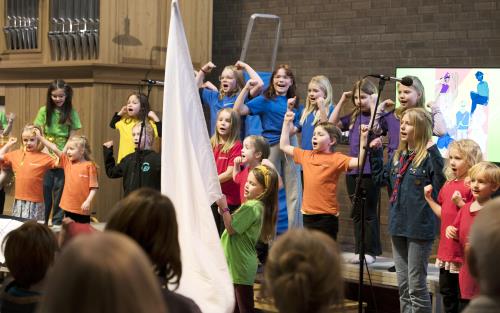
[102, 272]
[144, 104]
[29, 251]
[66, 107]
[148, 217]
[303, 272]
[270, 92]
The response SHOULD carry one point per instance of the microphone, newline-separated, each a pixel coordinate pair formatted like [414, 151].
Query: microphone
[152, 82]
[407, 81]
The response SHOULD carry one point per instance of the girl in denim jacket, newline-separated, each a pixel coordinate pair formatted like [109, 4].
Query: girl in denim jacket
[412, 223]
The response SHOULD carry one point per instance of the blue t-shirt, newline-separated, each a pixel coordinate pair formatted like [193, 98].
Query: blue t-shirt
[272, 112]
[307, 130]
[211, 98]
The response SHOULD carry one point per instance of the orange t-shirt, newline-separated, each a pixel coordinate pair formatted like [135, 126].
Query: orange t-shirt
[321, 174]
[29, 168]
[79, 178]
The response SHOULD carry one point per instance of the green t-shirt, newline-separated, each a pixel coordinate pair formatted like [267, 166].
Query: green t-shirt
[239, 248]
[57, 133]
[3, 119]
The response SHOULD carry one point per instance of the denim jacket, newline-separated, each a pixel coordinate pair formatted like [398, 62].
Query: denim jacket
[410, 215]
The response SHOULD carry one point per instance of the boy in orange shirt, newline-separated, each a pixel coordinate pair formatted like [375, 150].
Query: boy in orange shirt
[322, 168]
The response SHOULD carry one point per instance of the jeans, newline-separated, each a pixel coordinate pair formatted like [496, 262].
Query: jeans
[411, 259]
[53, 185]
[373, 246]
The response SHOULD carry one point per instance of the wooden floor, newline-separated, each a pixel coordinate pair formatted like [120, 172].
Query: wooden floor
[266, 304]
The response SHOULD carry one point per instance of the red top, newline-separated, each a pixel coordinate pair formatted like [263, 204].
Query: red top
[223, 160]
[241, 179]
[449, 250]
[463, 222]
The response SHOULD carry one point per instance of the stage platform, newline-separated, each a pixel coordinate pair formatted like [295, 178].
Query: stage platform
[382, 278]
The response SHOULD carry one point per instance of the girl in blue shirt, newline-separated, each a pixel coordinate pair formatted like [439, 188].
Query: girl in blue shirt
[231, 83]
[318, 107]
[277, 99]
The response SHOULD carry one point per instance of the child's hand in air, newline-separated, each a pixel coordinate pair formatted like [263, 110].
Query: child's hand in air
[387, 105]
[346, 95]
[241, 65]
[291, 103]
[457, 198]
[207, 68]
[251, 83]
[152, 115]
[364, 130]
[289, 116]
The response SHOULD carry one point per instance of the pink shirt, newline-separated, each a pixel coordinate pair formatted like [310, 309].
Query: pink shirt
[223, 160]
[463, 222]
[449, 250]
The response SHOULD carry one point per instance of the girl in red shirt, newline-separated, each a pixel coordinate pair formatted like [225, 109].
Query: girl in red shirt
[226, 147]
[462, 155]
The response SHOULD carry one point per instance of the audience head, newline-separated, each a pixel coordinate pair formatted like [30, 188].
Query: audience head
[303, 272]
[102, 273]
[484, 250]
[148, 217]
[29, 252]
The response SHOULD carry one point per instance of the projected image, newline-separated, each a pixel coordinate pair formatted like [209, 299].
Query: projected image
[469, 102]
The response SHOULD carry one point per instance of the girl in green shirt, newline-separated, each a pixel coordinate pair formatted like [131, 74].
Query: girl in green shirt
[255, 219]
[59, 121]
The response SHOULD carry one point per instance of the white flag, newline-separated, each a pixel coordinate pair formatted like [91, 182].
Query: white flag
[189, 179]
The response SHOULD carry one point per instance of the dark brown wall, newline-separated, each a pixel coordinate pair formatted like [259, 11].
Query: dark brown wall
[347, 39]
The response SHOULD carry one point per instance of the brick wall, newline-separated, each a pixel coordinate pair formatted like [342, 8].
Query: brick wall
[347, 39]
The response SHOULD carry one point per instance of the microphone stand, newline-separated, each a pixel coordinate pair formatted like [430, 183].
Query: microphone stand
[359, 200]
[140, 152]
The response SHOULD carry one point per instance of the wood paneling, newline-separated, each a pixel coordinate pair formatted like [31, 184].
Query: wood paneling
[101, 86]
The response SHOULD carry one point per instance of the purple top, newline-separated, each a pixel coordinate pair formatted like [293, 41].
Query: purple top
[354, 138]
[390, 126]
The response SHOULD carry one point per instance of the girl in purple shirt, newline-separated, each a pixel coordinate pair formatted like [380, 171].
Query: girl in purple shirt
[363, 97]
